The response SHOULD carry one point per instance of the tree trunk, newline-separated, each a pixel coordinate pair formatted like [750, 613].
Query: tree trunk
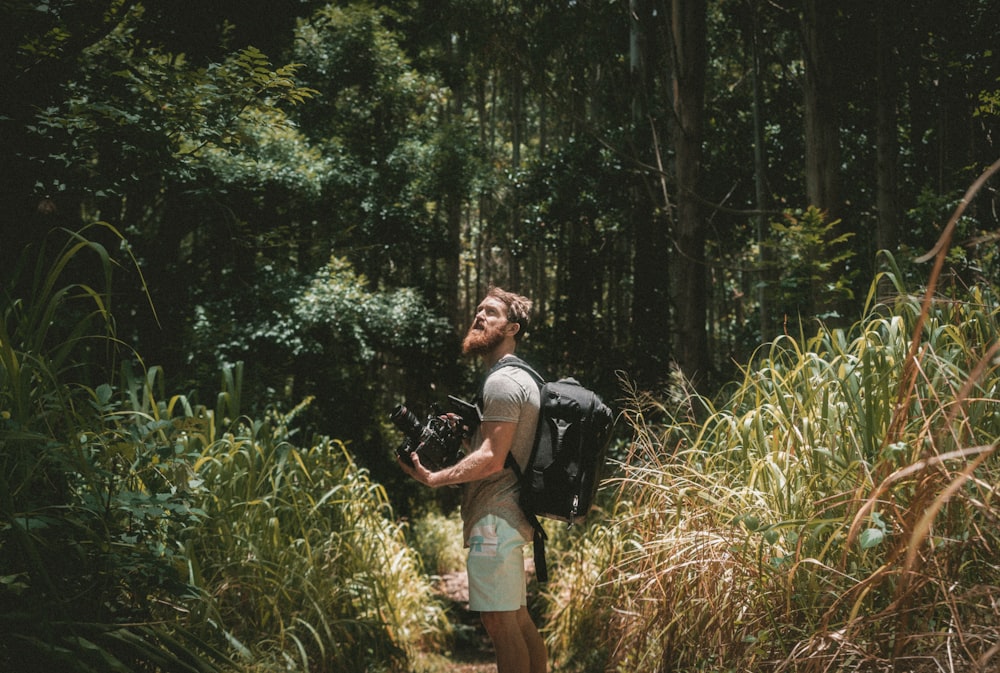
[650, 336]
[765, 255]
[516, 117]
[886, 144]
[689, 59]
[822, 141]
[454, 202]
[822, 131]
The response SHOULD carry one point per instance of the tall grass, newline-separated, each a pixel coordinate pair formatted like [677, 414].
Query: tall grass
[437, 539]
[142, 532]
[837, 510]
[815, 521]
[82, 554]
[299, 560]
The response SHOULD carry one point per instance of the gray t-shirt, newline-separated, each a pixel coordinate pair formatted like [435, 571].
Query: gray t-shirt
[510, 395]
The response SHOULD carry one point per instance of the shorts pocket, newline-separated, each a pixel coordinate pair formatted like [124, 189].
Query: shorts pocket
[483, 540]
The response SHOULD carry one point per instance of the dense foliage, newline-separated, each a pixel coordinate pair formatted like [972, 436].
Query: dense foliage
[310, 197]
[451, 147]
[141, 530]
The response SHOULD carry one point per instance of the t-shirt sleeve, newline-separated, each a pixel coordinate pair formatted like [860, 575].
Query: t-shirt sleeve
[503, 397]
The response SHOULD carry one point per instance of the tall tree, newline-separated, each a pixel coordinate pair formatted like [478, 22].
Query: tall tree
[688, 60]
[752, 37]
[651, 317]
[822, 119]
[821, 106]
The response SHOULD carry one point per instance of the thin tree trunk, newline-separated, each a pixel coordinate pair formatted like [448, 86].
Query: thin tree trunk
[689, 56]
[650, 337]
[765, 257]
[821, 119]
[516, 117]
[886, 144]
[822, 139]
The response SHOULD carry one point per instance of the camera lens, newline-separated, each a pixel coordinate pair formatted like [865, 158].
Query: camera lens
[406, 422]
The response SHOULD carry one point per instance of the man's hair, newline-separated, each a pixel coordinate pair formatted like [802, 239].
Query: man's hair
[518, 308]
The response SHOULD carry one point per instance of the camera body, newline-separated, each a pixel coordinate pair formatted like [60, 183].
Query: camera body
[438, 441]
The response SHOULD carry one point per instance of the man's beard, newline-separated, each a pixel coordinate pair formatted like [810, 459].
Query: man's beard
[481, 341]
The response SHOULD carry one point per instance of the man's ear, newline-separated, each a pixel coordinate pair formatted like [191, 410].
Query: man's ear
[513, 328]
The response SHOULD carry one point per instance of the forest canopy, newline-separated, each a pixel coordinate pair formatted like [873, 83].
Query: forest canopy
[677, 183]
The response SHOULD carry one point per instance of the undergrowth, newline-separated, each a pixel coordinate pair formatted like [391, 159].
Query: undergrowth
[837, 510]
[142, 532]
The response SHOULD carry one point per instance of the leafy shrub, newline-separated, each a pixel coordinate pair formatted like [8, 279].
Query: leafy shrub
[141, 532]
[89, 506]
[812, 271]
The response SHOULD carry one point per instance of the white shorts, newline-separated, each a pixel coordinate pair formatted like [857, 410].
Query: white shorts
[496, 566]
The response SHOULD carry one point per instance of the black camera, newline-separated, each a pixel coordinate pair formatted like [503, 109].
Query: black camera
[438, 441]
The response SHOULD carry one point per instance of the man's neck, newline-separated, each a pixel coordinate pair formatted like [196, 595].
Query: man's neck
[494, 356]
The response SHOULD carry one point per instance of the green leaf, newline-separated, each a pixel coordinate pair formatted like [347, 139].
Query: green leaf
[104, 392]
[871, 537]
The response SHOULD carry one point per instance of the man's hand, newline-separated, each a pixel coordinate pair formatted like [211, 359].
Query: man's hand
[458, 425]
[416, 470]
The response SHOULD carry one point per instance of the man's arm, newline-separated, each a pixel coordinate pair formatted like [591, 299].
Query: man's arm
[487, 460]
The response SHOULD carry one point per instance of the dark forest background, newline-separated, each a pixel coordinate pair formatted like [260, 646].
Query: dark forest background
[323, 191]
[289, 208]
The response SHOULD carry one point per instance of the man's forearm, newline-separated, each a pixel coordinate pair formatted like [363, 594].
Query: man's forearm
[479, 464]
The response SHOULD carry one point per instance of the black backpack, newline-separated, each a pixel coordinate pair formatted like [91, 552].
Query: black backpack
[563, 472]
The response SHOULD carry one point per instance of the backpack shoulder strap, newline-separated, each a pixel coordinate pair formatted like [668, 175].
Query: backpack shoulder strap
[513, 361]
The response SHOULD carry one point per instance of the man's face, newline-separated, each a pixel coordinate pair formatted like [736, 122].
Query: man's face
[488, 329]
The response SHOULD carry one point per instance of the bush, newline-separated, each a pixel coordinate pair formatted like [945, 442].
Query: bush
[140, 532]
[88, 508]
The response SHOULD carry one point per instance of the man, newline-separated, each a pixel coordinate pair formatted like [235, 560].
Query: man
[495, 528]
